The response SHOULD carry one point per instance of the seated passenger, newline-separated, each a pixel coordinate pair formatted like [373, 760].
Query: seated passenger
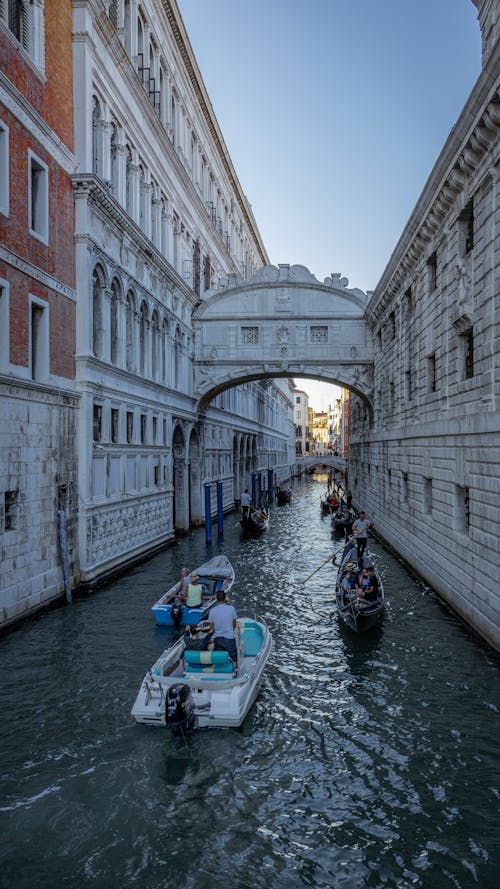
[348, 586]
[370, 593]
[194, 593]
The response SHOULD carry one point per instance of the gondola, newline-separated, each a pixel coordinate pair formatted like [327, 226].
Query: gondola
[326, 503]
[283, 495]
[256, 521]
[357, 614]
[343, 518]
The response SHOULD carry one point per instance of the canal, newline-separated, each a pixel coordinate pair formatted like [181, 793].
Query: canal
[365, 762]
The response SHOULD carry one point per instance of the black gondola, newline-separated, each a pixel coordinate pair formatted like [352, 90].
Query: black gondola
[256, 521]
[359, 615]
[283, 495]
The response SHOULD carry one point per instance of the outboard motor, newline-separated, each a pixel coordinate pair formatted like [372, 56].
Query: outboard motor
[176, 613]
[180, 709]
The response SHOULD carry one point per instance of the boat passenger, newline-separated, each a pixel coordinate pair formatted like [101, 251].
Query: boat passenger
[348, 586]
[223, 624]
[370, 594]
[363, 581]
[349, 499]
[183, 584]
[194, 593]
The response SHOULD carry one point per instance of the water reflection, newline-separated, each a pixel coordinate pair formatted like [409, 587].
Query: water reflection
[366, 761]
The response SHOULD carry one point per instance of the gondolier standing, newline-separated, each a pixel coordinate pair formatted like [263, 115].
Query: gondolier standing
[245, 501]
[360, 530]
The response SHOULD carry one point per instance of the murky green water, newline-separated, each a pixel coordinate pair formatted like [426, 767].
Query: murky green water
[366, 762]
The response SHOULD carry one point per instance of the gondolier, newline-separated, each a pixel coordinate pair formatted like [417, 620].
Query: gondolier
[360, 530]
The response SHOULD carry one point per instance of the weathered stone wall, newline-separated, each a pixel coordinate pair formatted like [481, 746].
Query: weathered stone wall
[427, 466]
[37, 476]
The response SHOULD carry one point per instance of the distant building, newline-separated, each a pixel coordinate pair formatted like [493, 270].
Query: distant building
[300, 419]
[320, 433]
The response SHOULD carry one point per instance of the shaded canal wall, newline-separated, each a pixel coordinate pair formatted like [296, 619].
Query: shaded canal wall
[427, 467]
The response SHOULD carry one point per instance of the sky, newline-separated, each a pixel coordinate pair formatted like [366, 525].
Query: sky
[334, 113]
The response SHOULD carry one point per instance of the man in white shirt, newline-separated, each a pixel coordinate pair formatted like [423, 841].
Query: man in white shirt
[360, 530]
[223, 624]
[246, 502]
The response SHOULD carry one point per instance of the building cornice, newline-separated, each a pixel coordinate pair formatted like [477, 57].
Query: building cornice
[473, 136]
[27, 268]
[21, 109]
[184, 46]
[97, 193]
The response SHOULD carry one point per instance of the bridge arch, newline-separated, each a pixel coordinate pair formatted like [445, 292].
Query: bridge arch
[282, 323]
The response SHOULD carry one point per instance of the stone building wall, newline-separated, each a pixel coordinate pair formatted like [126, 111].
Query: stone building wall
[38, 401]
[426, 465]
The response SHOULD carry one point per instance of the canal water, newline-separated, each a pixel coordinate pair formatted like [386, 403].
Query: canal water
[365, 762]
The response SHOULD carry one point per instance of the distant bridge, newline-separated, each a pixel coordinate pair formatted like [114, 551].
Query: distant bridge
[329, 462]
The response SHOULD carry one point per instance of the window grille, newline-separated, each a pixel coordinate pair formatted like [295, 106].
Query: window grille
[319, 334]
[250, 336]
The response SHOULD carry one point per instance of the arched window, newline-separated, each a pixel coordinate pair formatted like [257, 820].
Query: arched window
[115, 301]
[142, 198]
[173, 119]
[97, 311]
[129, 325]
[143, 330]
[97, 133]
[155, 332]
[177, 359]
[164, 228]
[115, 162]
[164, 351]
[154, 214]
[129, 204]
[127, 22]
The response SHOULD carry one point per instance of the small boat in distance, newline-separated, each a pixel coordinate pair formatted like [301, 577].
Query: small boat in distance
[283, 495]
[216, 574]
[189, 688]
[328, 503]
[357, 613]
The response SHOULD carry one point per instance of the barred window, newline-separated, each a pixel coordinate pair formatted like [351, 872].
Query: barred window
[250, 336]
[319, 334]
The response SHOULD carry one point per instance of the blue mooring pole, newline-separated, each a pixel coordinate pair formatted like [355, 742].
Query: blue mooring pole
[208, 515]
[254, 490]
[270, 473]
[220, 510]
[259, 483]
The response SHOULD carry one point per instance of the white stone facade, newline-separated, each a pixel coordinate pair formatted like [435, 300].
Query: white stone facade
[300, 419]
[160, 219]
[427, 469]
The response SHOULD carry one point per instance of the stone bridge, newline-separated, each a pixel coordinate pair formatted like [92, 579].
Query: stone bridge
[282, 323]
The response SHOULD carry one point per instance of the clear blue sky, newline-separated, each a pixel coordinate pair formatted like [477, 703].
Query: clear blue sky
[334, 113]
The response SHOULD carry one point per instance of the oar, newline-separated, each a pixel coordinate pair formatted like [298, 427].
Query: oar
[332, 556]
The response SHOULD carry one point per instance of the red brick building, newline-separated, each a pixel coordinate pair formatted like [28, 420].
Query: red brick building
[37, 302]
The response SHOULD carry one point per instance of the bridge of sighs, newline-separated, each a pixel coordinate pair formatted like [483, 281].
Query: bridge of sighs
[282, 323]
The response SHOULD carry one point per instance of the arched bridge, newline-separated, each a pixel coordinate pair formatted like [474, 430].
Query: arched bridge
[282, 323]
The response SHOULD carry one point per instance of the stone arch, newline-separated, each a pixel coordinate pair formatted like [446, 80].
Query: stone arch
[97, 134]
[114, 327]
[155, 336]
[98, 288]
[282, 322]
[177, 357]
[195, 477]
[143, 338]
[130, 313]
[180, 506]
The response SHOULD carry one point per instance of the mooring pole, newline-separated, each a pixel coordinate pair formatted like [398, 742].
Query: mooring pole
[270, 474]
[208, 515]
[254, 490]
[220, 510]
[259, 488]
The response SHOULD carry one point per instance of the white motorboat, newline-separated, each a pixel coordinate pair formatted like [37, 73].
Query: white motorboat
[188, 687]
